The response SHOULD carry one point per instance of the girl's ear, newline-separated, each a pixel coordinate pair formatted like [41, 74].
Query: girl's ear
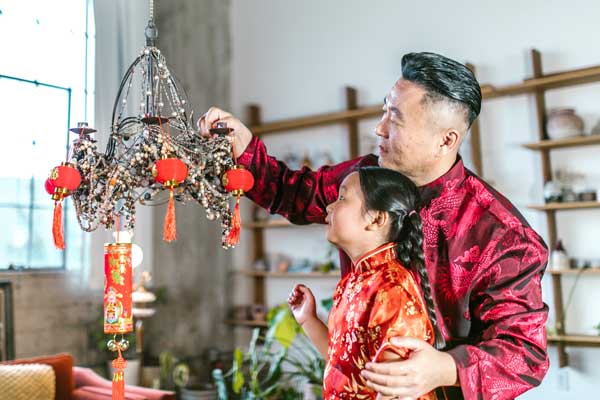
[378, 220]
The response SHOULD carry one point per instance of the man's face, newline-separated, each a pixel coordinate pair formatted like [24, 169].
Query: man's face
[407, 136]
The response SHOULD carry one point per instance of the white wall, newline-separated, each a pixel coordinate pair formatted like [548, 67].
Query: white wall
[294, 58]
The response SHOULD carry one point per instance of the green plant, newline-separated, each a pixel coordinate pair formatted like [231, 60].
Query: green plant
[173, 372]
[259, 373]
[255, 374]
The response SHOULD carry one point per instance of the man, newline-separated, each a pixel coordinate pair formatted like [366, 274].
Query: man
[484, 261]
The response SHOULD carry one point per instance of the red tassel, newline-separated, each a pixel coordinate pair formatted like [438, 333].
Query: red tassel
[236, 225]
[170, 228]
[57, 226]
[118, 383]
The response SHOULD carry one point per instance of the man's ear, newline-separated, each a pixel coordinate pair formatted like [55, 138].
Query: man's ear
[377, 220]
[450, 141]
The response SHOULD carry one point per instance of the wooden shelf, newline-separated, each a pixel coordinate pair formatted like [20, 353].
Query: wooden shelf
[250, 323]
[575, 340]
[548, 81]
[276, 223]
[283, 223]
[576, 141]
[575, 271]
[318, 120]
[544, 82]
[571, 205]
[250, 272]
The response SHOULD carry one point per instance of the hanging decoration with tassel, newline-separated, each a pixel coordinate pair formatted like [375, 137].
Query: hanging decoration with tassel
[62, 181]
[236, 180]
[170, 172]
[118, 317]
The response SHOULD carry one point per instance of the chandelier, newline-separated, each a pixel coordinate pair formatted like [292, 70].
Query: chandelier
[153, 156]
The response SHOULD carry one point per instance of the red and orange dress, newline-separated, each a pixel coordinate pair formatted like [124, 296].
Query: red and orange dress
[377, 300]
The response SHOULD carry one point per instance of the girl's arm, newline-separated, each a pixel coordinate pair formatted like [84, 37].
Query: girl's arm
[318, 334]
[302, 304]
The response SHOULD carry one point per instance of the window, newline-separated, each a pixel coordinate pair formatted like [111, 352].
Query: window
[46, 86]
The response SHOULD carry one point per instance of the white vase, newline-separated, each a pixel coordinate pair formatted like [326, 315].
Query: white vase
[131, 374]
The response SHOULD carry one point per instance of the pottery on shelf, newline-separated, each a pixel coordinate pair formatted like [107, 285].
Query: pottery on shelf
[563, 123]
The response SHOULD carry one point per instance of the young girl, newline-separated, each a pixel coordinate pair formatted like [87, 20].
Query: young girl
[376, 222]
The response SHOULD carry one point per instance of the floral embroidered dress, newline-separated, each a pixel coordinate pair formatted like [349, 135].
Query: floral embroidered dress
[377, 300]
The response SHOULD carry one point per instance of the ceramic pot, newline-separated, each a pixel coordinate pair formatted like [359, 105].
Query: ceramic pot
[563, 123]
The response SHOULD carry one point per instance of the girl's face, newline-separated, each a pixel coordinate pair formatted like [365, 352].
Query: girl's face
[347, 217]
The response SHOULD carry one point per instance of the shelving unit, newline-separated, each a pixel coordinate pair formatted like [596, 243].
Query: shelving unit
[571, 205]
[537, 86]
[351, 118]
[251, 272]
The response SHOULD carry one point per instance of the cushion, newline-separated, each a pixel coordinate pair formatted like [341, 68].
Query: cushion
[98, 393]
[63, 371]
[26, 382]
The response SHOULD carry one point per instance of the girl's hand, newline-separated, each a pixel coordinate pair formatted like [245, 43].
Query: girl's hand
[302, 303]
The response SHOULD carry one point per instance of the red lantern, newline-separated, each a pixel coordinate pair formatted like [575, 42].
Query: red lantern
[237, 180]
[170, 172]
[117, 306]
[63, 179]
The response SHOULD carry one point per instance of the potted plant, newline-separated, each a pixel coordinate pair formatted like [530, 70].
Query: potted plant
[259, 373]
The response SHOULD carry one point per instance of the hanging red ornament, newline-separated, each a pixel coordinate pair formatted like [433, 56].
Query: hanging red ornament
[170, 172]
[63, 179]
[118, 317]
[237, 180]
[117, 288]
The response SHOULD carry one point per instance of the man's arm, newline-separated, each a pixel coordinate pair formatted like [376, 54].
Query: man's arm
[299, 195]
[509, 357]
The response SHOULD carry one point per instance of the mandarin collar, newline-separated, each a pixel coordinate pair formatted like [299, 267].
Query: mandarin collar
[374, 258]
[435, 188]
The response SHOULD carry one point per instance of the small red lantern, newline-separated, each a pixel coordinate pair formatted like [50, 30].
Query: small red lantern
[63, 179]
[170, 172]
[238, 181]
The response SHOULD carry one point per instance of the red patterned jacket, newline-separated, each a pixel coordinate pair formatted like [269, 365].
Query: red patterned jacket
[484, 261]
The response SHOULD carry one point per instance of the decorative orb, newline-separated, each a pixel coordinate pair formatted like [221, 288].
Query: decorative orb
[124, 344]
[170, 171]
[65, 176]
[238, 180]
[112, 345]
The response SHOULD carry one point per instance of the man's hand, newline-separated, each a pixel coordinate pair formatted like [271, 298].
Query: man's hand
[240, 136]
[425, 369]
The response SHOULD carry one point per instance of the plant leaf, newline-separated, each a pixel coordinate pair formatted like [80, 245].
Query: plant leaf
[238, 376]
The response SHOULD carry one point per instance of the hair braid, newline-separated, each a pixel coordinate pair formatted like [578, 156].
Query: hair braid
[392, 192]
[412, 249]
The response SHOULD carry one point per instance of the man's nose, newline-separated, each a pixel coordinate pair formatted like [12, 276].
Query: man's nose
[381, 129]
